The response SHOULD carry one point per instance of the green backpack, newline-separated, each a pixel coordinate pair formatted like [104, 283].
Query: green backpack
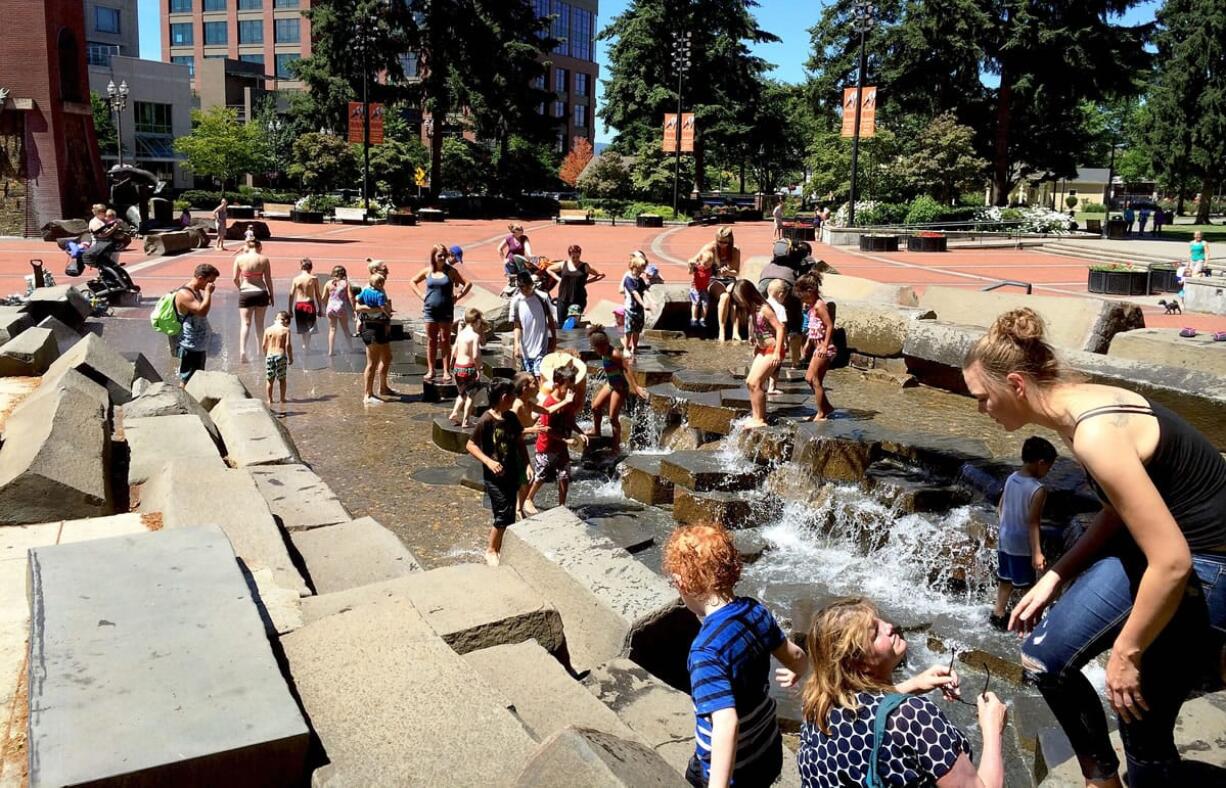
[164, 318]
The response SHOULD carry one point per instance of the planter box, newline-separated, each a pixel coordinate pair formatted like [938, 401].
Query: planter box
[278, 210]
[241, 211]
[920, 243]
[1126, 283]
[306, 217]
[431, 215]
[1094, 226]
[799, 232]
[402, 219]
[878, 243]
[1162, 280]
[1116, 228]
[648, 220]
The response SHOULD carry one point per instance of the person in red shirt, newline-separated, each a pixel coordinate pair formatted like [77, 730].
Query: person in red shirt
[701, 270]
[553, 442]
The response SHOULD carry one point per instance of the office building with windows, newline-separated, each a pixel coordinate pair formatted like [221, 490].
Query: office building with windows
[572, 73]
[271, 33]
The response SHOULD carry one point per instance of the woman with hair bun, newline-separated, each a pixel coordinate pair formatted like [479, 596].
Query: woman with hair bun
[1147, 580]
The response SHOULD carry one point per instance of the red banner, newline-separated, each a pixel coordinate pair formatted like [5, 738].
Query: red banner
[356, 123]
[687, 132]
[868, 112]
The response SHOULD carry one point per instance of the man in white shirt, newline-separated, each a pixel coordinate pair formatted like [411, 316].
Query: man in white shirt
[536, 331]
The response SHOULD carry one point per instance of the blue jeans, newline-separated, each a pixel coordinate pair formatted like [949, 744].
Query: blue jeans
[1084, 623]
[532, 364]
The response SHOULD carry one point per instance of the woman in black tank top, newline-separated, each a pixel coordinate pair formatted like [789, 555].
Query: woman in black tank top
[1152, 591]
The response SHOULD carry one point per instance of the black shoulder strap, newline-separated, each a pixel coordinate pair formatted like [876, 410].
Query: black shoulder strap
[1103, 410]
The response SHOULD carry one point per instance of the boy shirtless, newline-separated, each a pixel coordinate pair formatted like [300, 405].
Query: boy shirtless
[278, 353]
[305, 298]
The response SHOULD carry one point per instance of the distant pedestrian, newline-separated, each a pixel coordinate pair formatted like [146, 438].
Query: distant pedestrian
[1159, 220]
[1198, 255]
[305, 298]
[1130, 218]
[1142, 220]
[497, 442]
[573, 276]
[192, 304]
[278, 354]
[220, 215]
[777, 215]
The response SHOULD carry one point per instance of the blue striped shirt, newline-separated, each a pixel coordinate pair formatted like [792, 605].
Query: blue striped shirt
[729, 666]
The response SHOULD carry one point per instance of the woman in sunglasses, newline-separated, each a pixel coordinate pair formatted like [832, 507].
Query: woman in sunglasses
[727, 269]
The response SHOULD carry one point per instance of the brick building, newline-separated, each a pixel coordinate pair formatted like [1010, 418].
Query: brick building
[49, 163]
[272, 33]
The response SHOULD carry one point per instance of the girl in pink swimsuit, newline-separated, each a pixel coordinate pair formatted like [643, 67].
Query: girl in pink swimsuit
[821, 329]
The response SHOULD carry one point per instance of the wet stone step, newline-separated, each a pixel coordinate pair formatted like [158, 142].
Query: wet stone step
[911, 490]
[730, 509]
[642, 482]
[449, 437]
[624, 523]
[698, 380]
[739, 398]
[704, 471]
[437, 391]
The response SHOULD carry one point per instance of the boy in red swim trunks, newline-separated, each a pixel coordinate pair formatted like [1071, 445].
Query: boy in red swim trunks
[305, 296]
[466, 364]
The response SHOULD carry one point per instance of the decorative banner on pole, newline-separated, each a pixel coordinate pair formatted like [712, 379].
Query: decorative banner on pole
[868, 112]
[687, 132]
[356, 135]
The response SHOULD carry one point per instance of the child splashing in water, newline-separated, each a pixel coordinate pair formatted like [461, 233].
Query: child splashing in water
[466, 364]
[821, 328]
[339, 300]
[769, 338]
[619, 374]
[526, 409]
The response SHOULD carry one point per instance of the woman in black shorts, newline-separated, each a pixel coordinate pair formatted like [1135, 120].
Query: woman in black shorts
[253, 278]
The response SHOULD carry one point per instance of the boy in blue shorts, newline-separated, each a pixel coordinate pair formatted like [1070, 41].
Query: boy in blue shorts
[738, 737]
[1020, 554]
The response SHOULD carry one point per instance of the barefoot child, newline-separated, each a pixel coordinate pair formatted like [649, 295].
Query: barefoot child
[702, 269]
[526, 409]
[738, 736]
[618, 370]
[466, 365]
[769, 343]
[497, 443]
[1020, 553]
[339, 300]
[633, 287]
[278, 353]
[553, 442]
[304, 297]
[821, 327]
[776, 292]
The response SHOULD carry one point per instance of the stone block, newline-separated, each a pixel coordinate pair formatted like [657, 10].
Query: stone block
[1205, 294]
[767, 445]
[209, 388]
[835, 451]
[729, 509]
[435, 391]
[705, 471]
[839, 288]
[29, 353]
[641, 480]
[253, 436]
[390, 701]
[154, 441]
[1165, 347]
[497, 606]
[659, 714]
[715, 418]
[449, 437]
[171, 242]
[64, 302]
[281, 607]
[55, 461]
[934, 352]
[578, 756]
[192, 493]
[298, 497]
[1085, 324]
[700, 380]
[135, 682]
[65, 336]
[351, 554]
[680, 437]
[169, 399]
[13, 320]
[142, 367]
[99, 362]
[545, 697]
[611, 605]
[876, 329]
[70, 380]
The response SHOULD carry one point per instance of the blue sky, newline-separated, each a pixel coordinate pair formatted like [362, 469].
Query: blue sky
[788, 19]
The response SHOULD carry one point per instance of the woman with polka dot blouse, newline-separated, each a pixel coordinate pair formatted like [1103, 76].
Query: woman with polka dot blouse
[852, 657]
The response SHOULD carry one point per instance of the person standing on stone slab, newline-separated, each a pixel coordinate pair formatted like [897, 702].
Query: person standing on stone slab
[819, 329]
[1019, 546]
[619, 378]
[220, 215]
[497, 443]
[192, 304]
[769, 338]
[536, 331]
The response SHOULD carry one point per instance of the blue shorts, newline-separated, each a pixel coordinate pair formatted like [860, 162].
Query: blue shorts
[532, 365]
[1015, 569]
[702, 297]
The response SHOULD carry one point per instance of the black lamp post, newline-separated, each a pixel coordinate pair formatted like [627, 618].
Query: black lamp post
[117, 99]
[681, 62]
[862, 22]
[362, 41]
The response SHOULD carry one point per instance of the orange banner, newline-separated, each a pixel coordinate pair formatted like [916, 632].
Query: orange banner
[868, 112]
[356, 117]
[687, 132]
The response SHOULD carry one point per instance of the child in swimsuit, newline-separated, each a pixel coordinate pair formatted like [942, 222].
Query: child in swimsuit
[776, 292]
[769, 338]
[820, 331]
[278, 354]
[466, 365]
[618, 369]
[339, 299]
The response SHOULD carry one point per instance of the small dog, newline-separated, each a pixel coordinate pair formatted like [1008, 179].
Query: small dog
[1172, 307]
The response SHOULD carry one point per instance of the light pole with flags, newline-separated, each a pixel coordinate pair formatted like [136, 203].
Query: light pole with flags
[682, 62]
[862, 22]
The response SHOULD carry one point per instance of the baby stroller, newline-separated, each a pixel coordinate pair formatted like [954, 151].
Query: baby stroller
[533, 265]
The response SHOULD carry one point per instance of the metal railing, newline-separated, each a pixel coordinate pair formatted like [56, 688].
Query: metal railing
[101, 54]
[1008, 283]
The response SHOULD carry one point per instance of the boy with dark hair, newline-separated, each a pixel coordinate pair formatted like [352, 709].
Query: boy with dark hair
[738, 737]
[553, 443]
[278, 354]
[497, 442]
[1020, 553]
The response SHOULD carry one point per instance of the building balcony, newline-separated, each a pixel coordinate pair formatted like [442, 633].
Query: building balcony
[100, 54]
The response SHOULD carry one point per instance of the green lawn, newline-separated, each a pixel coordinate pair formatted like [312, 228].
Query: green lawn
[1178, 232]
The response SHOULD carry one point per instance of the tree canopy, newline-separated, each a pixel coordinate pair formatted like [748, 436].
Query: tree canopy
[222, 147]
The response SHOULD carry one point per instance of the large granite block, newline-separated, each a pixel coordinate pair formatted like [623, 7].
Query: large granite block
[611, 605]
[351, 554]
[298, 497]
[156, 440]
[641, 480]
[1164, 346]
[593, 759]
[169, 399]
[30, 353]
[210, 387]
[392, 703]
[655, 711]
[65, 336]
[134, 681]
[55, 462]
[190, 493]
[13, 320]
[252, 435]
[64, 302]
[99, 362]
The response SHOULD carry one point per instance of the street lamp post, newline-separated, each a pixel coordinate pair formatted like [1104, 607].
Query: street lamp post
[117, 99]
[362, 39]
[681, 61]
[862, 22]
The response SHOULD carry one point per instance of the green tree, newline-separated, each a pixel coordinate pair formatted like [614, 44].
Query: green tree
[652, 173]
[222, 147]
[775, 143]
[941, 160]
[395, 162]
[324, 163]
[1186, 137]
[523, 165]
[1046, 58]
[608, 176]
[279, 135]
[104, 124]
[721, 89]
[466, 166]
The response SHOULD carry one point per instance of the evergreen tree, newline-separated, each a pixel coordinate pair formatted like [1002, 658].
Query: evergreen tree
[721, 87]
[1186, 137]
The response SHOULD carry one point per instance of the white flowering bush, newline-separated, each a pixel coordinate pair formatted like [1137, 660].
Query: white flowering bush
[864, 211]
[1030, 219]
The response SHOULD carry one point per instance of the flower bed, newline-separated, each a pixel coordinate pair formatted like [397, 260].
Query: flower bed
[870, 242]
[927, 241]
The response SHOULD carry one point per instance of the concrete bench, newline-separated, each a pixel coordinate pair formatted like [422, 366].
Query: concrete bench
[1165, 346]
[277, 210]
[574, 216]
[350, 215]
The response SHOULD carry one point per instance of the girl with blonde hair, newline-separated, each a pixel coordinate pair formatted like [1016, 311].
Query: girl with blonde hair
[852, 657]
